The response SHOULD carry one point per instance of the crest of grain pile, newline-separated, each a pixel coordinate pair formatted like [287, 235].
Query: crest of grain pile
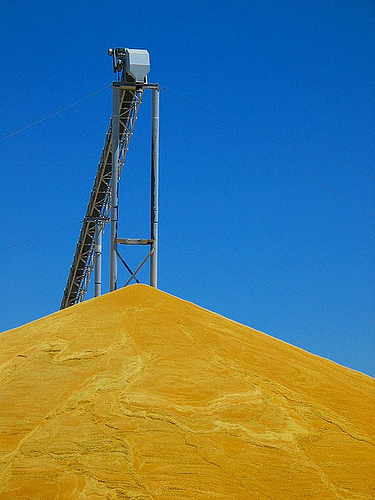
[139, 395]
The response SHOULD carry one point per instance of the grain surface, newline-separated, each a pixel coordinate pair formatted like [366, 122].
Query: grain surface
[140, 395]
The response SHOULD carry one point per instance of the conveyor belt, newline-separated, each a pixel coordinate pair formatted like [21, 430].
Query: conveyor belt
[98, 206]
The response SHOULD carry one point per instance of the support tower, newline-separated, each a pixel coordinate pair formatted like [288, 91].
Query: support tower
[132, 67]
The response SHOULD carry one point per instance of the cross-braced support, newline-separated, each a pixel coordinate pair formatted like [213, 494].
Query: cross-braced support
[98, 206]
[127, 96]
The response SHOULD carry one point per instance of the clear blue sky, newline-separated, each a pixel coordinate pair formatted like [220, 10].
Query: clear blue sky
[302, 71]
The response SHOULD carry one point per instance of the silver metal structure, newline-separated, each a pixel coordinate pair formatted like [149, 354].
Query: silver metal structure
[99, 226]
[127, 96]
[153, 240]
[114, 183]
[154, 188]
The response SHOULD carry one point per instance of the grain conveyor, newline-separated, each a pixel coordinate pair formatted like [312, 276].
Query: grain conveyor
[131, 91]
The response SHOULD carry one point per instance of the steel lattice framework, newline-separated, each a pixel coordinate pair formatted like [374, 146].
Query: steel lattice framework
[98, 206]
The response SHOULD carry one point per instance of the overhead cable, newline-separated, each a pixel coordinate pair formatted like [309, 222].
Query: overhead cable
[278, 158]
[274, 136]
[260, 278]
[214, 261]
[40, 236]
[25, 127]
[269, 282]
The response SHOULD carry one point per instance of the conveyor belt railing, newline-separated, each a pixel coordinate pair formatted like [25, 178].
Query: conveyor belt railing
[98, 206]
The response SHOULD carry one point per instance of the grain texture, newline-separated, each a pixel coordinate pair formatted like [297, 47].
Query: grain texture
[140, 395]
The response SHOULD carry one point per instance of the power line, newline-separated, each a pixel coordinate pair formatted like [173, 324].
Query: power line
[260, 278]
[40, 236]
[25, 127]
[278, 158]
[282, 139]
[214, 261]
[269, 282]
[197, 108]
[206, 257]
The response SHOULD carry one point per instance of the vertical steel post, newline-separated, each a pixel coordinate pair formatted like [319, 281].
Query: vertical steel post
[114, 183]
[98, 257]
[154, 187]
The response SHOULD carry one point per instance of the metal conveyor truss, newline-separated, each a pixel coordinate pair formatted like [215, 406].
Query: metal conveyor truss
[98, 206]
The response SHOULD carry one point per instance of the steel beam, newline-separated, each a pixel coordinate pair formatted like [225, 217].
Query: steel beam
[114, 184]
[98, 257]
[133, 241]
[154, 187]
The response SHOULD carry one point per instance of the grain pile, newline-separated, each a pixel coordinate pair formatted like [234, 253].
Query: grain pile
[140, 395]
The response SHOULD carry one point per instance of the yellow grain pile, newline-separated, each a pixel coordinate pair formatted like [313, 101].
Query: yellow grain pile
[140, 395]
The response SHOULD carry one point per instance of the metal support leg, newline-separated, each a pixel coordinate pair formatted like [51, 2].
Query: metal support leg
[154, 188]
[114, 184]
[98, 257]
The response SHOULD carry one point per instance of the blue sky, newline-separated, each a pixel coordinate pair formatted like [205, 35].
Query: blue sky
[246, 219]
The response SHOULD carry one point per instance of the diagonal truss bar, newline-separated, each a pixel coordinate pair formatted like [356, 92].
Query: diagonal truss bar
[139, 267]
[126, 266]
[98, 206]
